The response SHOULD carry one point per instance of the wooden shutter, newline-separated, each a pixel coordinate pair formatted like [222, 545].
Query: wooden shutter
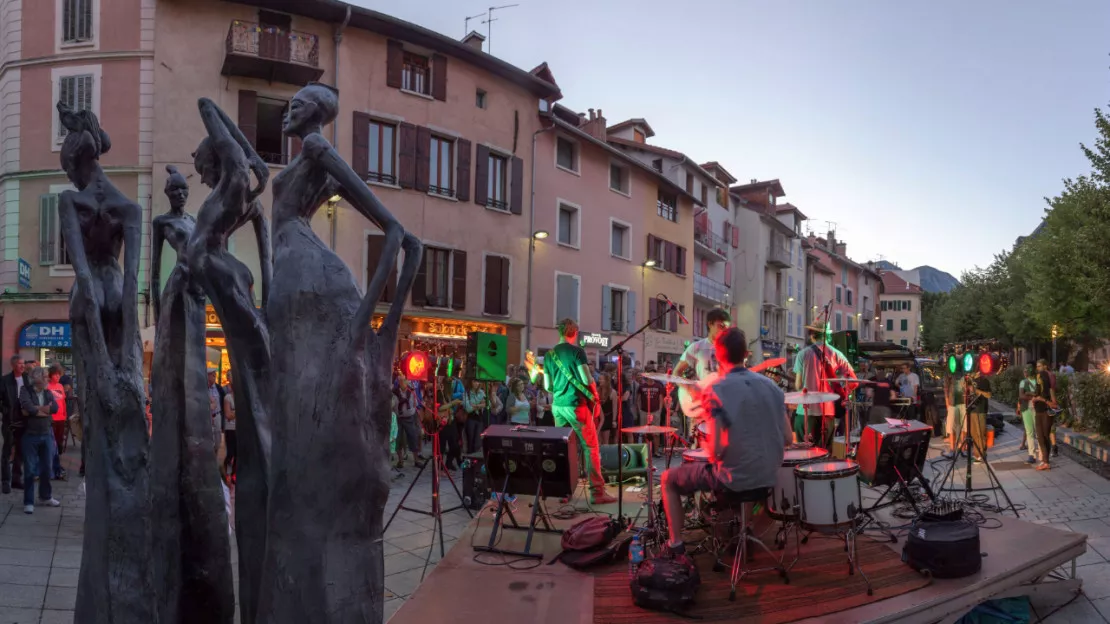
[651, 249]
[630, 317]
[481, 175]
[248, 116]
[690, 183]
[458, 280]
[735, 236]
[728, 274]
[48, 229]
[394, 58]
[420, 283]
[439, 77]
[702, 220]
[504, 290]
[704, 194]
[672, 320]
[406, 157]
[360, 158]
[423, 157]
[680, 260]
[668, 256]
[462, 171]
[374, 258]
[516, 192]
[493, 284]
[606, 308]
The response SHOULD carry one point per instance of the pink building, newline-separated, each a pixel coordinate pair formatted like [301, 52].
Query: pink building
[853, 287]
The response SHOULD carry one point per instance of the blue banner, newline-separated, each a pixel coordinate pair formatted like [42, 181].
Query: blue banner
[45, 335]
[24, 273]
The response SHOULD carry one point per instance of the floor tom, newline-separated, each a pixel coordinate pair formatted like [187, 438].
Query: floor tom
[828, 495]
[784, 497]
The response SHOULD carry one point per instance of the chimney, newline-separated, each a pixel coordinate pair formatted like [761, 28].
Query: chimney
[592, 117]
[831, 241]
[474, 40]
[842, 249]
[595, 127]
[581, 119]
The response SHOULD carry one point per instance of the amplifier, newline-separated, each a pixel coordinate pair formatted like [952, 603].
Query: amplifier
[475, 483]
[882, 448]
[944, 548]
[839, 450]
[635, 460]
[525, 453]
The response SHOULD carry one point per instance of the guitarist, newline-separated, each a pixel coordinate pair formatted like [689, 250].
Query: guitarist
[815, 364]
[575, 401]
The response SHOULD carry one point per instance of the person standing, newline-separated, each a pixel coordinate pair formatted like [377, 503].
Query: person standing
[608, 394]
[815, 365]
[11, 428]
[58, 425]
[954, 400]
[980, 387]
[1043, 401]
[216, 405]
[39, 406]
[230, 441]
[406, 422]
[1027, 389]
[908, 384]
[517, 404]
[573, 389]
[475, 404]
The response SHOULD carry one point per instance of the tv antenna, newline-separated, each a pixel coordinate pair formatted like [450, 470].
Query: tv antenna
[466, 23]
[489, 24]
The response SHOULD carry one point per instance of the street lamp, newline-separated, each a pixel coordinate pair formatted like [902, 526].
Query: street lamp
[537, 235]
[1055, 333]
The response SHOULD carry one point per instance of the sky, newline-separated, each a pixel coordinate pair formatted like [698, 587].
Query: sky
[924, 132]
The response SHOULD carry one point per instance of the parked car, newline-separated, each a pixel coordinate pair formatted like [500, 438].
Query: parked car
[891, 356]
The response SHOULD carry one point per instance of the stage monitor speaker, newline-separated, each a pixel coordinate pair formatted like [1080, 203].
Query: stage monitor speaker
[475, 484]
[487, 356]
[885, 452]
[524, 454]
[635, 460]
[847, 342]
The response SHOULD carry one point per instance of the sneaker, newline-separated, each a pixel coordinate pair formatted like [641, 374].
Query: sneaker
[51, 502]
[28, 509]
[1031, 460]
[602, 498]
[1043, 467]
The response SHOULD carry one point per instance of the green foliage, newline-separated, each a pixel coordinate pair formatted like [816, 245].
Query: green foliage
[1004, 386]
[1091, 407]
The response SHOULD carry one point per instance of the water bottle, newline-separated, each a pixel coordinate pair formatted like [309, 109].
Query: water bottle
[635, 556]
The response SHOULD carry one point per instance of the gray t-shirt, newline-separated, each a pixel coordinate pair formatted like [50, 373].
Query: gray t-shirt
[701, 356]
[748, 412]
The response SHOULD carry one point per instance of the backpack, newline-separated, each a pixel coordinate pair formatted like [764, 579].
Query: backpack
[586, 559]
[588, 536]
[665, 584]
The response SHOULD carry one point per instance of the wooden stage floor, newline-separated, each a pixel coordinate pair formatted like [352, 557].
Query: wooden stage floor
[1022, 558]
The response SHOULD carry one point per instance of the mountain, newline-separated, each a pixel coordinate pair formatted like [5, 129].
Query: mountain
[887, 266]
[930, 279]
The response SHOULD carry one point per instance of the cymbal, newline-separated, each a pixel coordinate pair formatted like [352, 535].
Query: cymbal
[671, 379]
[765, 364]
[810, 398]
[648, 429]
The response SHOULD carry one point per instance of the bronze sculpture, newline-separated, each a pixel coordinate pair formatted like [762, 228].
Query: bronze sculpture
[97, 220]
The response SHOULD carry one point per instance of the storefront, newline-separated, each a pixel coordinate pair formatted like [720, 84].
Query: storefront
[49, 341]
[664, 349]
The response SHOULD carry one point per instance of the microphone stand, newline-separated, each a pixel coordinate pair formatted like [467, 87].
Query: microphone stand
[619, 350]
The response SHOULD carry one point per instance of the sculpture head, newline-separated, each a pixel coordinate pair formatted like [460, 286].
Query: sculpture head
[84, 143]
[177, 190]
[313, 107]
[207, 163]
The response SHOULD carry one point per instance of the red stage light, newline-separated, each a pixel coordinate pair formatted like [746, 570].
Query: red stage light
[414, 365]
[989, 363]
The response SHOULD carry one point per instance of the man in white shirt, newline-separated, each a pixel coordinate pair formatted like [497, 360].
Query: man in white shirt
[908, 383]
[702, 359]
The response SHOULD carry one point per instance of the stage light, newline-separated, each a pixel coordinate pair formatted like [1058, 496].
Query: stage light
[953, 365]
[969, 362]
[414, 365]
[989, 363]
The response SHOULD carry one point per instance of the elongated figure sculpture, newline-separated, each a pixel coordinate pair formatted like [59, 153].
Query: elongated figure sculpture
[330, 408]
[114, 586]
[191, 549]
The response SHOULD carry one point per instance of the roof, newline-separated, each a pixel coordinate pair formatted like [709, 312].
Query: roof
[893, 284]
[820, 268]
[585, 136]
[636, 121]
[716, 165]
[774, 185]
[775, 223]
[335, 11]
[662, 151]
[788, 207]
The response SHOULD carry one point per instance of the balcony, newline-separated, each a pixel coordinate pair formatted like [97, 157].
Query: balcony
[272, 54]
[710, 290]
[778, 256]
[710, 244]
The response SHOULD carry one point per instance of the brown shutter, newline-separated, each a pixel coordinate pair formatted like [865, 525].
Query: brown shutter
[248, 116]
[360, 159]
[406, 157]
[504, 290]
[681, 251]
[394, 58]
[671, 256]
[390, 283]
[651, 250]
[458, 280]
[439, 77]
[374, 245]
[516, 193]
[690, 183]
[493, 284]
[420, 283]
[423, 164]
[481, 175]
[462, 173]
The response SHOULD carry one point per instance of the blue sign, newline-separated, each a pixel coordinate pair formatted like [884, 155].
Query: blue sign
[24, 274]
[45, 335]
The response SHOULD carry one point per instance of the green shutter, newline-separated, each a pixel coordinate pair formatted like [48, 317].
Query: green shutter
[48, 230]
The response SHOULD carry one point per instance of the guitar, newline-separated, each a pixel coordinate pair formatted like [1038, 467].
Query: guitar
[535, 369]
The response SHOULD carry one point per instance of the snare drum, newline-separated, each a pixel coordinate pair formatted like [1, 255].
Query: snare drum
[695, 455]
[784, 498]
[701, 436]
[828, 494]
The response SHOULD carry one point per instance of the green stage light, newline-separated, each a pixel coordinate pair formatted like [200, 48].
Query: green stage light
[969, 362]
[953, 365]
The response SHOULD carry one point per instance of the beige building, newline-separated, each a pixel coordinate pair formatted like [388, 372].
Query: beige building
[899, 311]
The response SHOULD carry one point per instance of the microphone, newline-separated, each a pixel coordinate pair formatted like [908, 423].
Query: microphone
[674, 306]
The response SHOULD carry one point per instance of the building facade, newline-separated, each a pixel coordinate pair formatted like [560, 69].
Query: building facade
[796, 282]
[716, 242]
[900, 311]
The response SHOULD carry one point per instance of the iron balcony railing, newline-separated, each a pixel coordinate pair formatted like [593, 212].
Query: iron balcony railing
[274, 43]
[713, 242]
[710, 288]
[778, 255]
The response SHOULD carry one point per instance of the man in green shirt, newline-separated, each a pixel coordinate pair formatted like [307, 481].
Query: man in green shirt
[566, 375]
[1027, 389]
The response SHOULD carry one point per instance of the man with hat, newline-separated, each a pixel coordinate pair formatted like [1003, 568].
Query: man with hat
[813, 366]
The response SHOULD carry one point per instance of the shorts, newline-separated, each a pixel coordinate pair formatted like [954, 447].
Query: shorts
[693, 477]
[955, 422]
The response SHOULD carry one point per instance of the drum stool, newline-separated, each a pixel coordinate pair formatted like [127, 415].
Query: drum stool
[735, 501]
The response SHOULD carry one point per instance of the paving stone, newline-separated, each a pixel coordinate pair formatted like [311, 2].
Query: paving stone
[23, 575]
[61, 598]
[21, 596]
[54, 616]
[10, 615]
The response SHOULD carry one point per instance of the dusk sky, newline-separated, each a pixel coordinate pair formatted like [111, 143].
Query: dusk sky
[927, 133]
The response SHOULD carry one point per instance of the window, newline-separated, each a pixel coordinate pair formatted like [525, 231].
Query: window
[838, 294]
[890, 324]
[637, 136]
[617, 299]
[789, 286]
[618, 178]
[480, 98]
[270, 141]
[851, 322]
[906, 305]
[568, 225]
[839, 318]
[657, 165]
[566, 154]
[848, 294]
[844, 275]
[77, 21]
[382, 152]
[704, 194]
[666, 206]
[438, 281]
[415, 74]
[905, 325]
[903, 342]
[442, 166]
[77, 93]
[566, 296]
[619, 240]
[689, 183]
[52, 246]
[497, 286]
[498, 186]
[790, 322]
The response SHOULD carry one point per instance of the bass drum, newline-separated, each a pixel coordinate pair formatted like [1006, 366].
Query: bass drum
[784, 498]
[691, 406]
[829, 495]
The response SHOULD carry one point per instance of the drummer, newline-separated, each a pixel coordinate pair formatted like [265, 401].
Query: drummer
[748, 431]
[699, 357]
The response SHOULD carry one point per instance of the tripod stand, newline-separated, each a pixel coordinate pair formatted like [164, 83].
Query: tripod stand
[967, 446]
[438, 468]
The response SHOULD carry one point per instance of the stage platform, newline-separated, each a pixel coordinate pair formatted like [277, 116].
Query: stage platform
[1022, 559]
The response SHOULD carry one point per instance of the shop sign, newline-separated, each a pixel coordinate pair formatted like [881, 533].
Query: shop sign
[452, 329]
[24, 273]
[45, 335]
[600, 341]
